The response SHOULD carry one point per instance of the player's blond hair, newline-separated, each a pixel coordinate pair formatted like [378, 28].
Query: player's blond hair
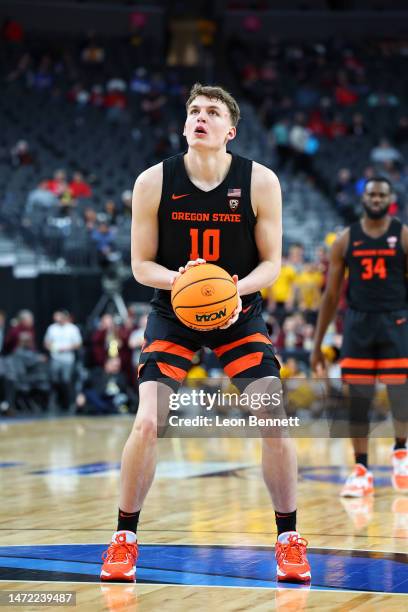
[215, 92]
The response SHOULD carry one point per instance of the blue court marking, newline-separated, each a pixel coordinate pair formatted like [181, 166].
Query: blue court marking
[336, 474]
[7, 464]
[83, 469]
[211, 566]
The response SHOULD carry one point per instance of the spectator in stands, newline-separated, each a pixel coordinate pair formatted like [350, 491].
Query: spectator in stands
[309, 283]
[23, 324]
[90, 218]
[280, 136]
[296, 256]
[12, 31]
[43, 77]
[345, 195]
[78, 187]
[62, 340]
[97, 96]
[105, 391]
[152, 106]
[115, 103]
[282, 293]
[58, 184]
[104, 341]
[28, 375]
[344, 93]
[358, 125]
[40, 199]
[337, 127]
[111, 212]
[104, 238]
[384, 152]
[299, 139]
[21, 155]
[140, 82]
[368, 173]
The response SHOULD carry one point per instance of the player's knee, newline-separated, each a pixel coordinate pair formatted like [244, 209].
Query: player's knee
[145, 428]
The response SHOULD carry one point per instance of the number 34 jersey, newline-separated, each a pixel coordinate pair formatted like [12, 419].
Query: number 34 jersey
[216, 225]
[377, 270]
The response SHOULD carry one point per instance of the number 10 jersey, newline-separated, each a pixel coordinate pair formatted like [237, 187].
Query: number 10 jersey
[216, 225]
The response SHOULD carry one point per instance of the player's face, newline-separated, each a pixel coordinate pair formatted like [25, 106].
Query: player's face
[208, 124]
[377, 198]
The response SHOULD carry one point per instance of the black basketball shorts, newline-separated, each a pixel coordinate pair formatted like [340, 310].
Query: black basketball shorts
[375, 346]
[244, 350]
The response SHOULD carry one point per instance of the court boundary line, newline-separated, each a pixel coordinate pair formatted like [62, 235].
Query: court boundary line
[215, 586]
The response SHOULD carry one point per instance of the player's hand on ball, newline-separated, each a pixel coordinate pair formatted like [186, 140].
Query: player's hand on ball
[182, 269]
[234, 317]
[190, 264]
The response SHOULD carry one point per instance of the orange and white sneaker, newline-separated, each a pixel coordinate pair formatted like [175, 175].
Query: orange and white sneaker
[400, 469]
[359, 483]
[119, 559]
[292, 563]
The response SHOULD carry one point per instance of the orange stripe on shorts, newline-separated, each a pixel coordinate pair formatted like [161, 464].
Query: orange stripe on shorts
[243, 363]
[363, 364]
[164, 346]
[384, 364]
[362, 379]
[171, 371]
[252, 338]
[392, 379]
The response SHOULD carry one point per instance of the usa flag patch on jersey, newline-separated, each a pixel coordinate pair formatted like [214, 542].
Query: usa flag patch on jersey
[234, 193]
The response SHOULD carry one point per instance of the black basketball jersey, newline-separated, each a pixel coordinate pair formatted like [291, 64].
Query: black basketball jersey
[377, 270]
[216, 225]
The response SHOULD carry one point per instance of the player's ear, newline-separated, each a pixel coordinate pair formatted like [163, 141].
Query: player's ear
[232, 132]
[184, 130]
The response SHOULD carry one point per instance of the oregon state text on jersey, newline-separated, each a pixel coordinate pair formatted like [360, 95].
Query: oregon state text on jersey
[216, 225]
[377, 270]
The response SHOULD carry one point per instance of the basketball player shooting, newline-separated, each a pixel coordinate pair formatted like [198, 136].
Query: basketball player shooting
[206, 205]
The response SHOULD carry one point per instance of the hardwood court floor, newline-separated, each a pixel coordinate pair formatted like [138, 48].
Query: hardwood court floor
[206, 528]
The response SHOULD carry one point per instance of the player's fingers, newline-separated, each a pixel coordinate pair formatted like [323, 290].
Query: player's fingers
[235, 278]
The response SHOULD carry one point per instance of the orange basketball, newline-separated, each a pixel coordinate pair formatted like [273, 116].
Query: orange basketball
[204, 297]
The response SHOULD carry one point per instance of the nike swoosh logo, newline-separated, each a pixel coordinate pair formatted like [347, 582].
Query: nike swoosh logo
[245, 310]
[177, 197]
[358, 242]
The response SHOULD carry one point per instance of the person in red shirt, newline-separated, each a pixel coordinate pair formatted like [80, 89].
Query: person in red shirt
[23, 324]
[78, 187]
[58, 184]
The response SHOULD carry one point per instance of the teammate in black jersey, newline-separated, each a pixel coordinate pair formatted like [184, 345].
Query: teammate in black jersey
[206, 205]
[375, 341]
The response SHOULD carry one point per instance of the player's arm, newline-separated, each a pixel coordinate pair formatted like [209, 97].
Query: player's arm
[145, 230]
[330, 297]
[266, 201]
